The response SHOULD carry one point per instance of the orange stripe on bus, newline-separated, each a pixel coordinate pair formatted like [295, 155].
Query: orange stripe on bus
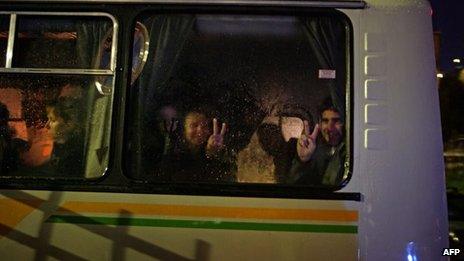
[209, 211]
[13, 211]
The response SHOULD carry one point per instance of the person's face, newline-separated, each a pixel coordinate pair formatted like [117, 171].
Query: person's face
[168, 122]
[57, 126]
[196, 129]
[332, 127]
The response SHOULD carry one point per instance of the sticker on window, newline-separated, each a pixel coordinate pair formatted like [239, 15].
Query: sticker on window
[326, 74]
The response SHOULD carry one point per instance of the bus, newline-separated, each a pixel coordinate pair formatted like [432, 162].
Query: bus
[220, 130]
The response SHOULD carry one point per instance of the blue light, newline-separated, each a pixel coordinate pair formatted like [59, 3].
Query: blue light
[411, 252]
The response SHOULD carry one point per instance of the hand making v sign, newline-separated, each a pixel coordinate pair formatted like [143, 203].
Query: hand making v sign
[307, 142]
[216, 140]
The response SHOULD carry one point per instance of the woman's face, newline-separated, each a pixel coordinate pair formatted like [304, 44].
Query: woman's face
[57, 127]
[196, 129]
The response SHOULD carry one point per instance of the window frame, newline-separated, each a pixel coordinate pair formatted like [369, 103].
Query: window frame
[115, 179]
[8, 68]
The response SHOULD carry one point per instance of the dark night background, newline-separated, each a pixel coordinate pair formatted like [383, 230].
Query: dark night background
[448, 17]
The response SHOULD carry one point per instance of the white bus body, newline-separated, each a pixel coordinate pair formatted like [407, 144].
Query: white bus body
[392, 208]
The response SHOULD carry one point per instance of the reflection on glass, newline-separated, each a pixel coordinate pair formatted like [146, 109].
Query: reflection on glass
[228, 98]
[59, 42]
[139, 50]
[139, 57]
[51, 128]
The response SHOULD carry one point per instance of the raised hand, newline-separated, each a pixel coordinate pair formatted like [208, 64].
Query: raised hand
[306, 144]
[170, 126]
[216, 140]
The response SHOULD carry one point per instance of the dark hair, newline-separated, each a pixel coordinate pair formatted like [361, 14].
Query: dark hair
[6, 133]
[326, 105]
[67, 108]
[206, 110]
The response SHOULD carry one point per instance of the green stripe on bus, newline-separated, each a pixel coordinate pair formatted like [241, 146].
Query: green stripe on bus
[146, 222]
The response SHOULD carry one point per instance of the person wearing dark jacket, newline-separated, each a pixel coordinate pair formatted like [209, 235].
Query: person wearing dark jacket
[200, 154]
[67, 157]
[9, 152]
[320, 159]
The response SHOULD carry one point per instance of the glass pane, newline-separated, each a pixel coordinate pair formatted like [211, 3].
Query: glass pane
[53, 126]
[4, 29]
[62, 42]
[225, 98]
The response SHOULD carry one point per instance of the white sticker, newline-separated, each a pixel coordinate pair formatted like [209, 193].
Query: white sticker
[326, 74]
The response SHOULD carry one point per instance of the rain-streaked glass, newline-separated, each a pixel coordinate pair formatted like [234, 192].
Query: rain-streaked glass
[260, 77]
[58, 126]
[64, 42]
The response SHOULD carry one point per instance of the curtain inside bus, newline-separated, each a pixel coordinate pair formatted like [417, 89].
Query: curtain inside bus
[165, 75]
[167, 38]
[91, 40]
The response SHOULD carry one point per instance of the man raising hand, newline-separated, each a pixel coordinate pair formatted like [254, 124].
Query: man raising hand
[307, 142]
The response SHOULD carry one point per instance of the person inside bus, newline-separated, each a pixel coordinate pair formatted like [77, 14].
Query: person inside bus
[272, 142]
[64, 125]
[319, 158]
[200, 154]
[9, 151]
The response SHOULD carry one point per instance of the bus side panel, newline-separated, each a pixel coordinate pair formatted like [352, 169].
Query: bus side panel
[105, 226]
[403, 213]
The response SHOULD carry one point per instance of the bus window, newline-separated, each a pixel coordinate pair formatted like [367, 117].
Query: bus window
[226, 99]
[4, 30]
[60, 36]
[59, 114]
